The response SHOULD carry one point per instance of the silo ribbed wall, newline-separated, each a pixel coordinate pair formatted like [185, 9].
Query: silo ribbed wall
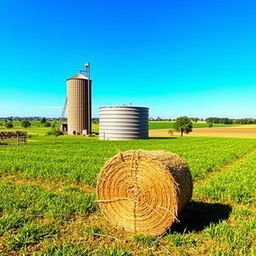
[78, 105]
[123, 123]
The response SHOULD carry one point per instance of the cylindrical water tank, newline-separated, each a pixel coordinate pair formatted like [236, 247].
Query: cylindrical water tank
[123, 123]
[79, 104]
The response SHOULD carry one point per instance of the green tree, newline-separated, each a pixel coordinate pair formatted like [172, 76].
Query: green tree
[210, 124]
[55, 132]
[43, 120]
[183, 125]
[47, 124]
[25, 123]
[54, 124]
[9, 125]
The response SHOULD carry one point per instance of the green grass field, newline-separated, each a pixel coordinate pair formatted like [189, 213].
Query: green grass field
[39, 129]
[48, 207]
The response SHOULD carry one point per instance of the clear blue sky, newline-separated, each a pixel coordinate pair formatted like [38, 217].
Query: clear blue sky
[178, 57]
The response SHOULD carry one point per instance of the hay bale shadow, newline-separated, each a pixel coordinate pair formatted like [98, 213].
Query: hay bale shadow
[198, 215]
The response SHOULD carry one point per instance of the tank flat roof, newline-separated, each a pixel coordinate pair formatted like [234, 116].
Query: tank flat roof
[122, 107]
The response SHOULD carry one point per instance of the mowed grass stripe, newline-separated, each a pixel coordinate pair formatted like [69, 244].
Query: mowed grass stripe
[224, 168]
[237, 184]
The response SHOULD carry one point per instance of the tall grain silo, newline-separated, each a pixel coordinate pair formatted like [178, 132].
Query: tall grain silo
[79, 103]
[123, 123]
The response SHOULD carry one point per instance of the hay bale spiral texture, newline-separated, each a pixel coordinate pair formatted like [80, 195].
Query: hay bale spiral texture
[144, 191]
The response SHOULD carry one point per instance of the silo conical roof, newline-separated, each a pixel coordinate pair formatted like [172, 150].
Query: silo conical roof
[79, 76]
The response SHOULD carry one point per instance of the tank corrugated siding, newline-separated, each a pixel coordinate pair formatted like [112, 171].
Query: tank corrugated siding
[123, 123]
[79, 104]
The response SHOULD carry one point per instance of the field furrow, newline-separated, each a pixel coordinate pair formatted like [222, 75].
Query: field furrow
[225, 168]
[237, 183]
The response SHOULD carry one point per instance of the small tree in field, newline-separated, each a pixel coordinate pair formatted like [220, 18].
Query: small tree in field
[183, 125]
[25, 124]
[9, 125]
[170, 132]
[47, 124]
[43, 120]
[55, 132]
[210, 124]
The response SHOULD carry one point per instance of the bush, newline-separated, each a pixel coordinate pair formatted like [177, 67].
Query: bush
[25, 124]
[170, 132]
[210, 124]
[54, 124]
[47, 124]
[9, 125]
[55, 131]
[43, 120]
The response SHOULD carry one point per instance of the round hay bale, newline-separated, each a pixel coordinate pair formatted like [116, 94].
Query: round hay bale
[144, 191]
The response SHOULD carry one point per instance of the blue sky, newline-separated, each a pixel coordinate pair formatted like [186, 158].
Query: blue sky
[179, 57]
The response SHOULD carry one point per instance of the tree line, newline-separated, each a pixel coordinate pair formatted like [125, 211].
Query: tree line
[225, 120]
[26, 123]
[30, 118]
[214, 120]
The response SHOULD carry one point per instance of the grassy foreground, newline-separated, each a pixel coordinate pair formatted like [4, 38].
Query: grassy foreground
[47, 202]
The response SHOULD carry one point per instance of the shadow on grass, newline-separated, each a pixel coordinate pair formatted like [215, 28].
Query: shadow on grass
[198, 215]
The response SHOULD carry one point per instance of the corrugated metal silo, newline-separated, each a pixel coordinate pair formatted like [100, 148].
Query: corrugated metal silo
[79, 104]
[123, 123]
